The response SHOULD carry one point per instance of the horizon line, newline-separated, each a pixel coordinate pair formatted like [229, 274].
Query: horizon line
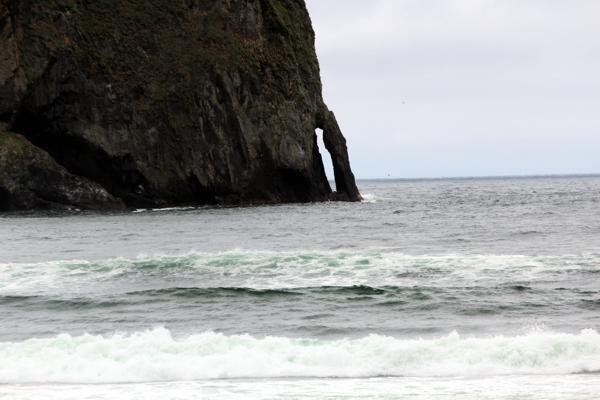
[482, 177]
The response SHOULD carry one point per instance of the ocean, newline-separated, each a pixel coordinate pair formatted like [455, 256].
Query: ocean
[471, 288]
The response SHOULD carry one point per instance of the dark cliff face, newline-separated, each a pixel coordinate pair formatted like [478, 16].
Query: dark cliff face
[169, 102]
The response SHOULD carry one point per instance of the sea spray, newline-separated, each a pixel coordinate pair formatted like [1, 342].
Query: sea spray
[156, 356]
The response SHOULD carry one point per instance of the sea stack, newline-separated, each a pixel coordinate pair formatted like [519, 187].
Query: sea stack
[114, 104]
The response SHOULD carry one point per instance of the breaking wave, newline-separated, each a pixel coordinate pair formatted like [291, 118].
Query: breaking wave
[156, 356]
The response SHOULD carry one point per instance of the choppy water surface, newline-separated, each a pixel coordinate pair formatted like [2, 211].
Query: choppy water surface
[457, 288]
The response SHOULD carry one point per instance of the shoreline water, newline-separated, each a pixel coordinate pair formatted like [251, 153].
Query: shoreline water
[492, 281]
[582, 387]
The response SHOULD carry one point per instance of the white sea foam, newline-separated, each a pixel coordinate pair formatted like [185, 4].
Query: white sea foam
[139, 210]
[282, 270]
[369, 198]
[156, 356]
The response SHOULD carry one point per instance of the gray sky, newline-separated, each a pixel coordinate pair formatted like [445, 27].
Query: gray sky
[432, 88]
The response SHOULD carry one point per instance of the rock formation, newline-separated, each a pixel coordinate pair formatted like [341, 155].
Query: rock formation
[149, 103]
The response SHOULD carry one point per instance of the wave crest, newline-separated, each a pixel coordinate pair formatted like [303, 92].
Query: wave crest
[156, 356]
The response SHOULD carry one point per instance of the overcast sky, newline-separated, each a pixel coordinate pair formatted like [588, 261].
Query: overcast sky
[432, 88]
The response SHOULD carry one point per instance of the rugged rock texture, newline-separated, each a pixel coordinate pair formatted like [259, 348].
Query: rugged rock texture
[167, 102]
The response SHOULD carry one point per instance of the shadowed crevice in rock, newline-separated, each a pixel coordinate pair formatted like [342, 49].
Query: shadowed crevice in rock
[31, 180]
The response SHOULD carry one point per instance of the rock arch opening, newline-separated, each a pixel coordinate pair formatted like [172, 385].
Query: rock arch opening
[326, 158]
[335, 143]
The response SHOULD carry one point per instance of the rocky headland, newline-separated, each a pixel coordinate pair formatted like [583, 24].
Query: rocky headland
[114, 104]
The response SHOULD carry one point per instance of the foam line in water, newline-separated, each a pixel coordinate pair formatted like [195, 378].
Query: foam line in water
[166, 209]
[281, 270]
[156, 356]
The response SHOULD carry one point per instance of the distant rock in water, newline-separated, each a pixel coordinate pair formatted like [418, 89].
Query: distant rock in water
[110, 104]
